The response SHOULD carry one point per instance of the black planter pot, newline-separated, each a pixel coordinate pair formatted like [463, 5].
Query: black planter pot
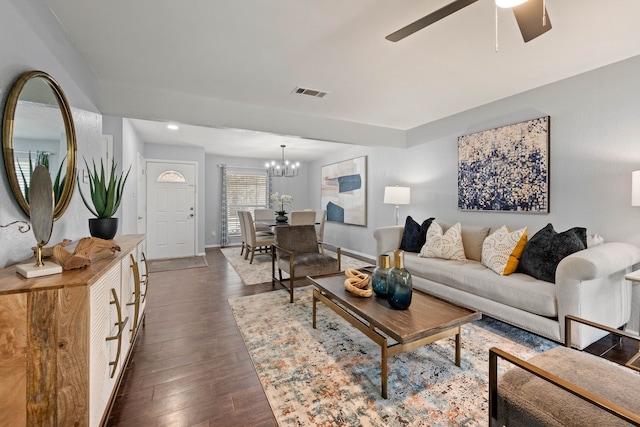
[103, 228]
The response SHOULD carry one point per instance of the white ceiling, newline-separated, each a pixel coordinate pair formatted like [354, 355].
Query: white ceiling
[256, 52]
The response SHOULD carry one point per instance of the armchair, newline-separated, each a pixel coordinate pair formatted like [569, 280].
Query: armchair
[296, 253]
[564, 387]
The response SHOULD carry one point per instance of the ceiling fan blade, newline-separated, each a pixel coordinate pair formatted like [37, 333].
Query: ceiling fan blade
[529, 17]
[429, 19]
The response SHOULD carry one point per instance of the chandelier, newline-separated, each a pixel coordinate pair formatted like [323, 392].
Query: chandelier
[284, 168]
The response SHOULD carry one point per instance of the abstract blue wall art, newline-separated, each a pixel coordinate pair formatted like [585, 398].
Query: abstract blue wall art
[505, 169]
[344, 191]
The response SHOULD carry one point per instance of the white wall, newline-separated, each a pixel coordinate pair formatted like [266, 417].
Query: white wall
[31, 39]
[595, 144]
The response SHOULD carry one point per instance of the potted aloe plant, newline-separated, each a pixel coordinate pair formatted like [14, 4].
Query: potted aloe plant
[105, 197]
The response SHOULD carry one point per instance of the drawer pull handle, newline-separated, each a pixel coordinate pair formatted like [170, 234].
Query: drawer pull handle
[120, 324]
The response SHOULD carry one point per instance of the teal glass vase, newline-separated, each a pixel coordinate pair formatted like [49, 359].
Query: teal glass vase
[379, 276]
[399, 283]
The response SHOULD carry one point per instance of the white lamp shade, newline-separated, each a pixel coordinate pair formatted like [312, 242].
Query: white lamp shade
[509, 3]
[397, 195]
[635, 188]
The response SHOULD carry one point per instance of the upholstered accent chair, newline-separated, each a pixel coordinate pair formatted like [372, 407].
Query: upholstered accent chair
[564, 387]
[303, 218]
[296, 253]
[260, 242]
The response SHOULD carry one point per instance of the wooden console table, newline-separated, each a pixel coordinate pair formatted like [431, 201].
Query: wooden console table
[65, 338]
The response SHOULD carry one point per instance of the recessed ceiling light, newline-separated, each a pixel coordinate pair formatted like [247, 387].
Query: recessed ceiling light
[172, 127]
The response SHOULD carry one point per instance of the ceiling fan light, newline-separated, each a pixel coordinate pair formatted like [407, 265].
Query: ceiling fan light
[509, 3]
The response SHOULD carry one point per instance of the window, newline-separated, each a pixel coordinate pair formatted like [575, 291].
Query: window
[245, 191]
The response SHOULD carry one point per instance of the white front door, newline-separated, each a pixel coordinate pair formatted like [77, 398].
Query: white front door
[171, 221]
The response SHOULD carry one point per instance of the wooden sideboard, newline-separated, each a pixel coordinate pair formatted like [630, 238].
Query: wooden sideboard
[65, 339]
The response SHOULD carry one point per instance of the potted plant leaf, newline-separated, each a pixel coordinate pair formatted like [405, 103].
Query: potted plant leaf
[106, 196]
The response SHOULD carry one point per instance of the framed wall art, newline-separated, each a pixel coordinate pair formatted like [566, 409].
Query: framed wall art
[505, 169]
[344, 191]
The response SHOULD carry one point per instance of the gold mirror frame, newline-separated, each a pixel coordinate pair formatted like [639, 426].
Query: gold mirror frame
[8, 144]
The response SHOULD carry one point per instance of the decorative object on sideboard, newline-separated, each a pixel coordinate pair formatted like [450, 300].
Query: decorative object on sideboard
[397, 196]
[505, 169]
[280, 202]
[81, 256]
[41, 213]
[105, 197]
[282, 169]
[343, 191]
[635, 188]
[399, 283]
[37, 110]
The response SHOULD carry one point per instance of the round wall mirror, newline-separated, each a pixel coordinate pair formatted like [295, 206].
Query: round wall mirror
[38, 130]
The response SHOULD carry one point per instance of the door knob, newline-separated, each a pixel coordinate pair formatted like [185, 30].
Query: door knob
[191, 215]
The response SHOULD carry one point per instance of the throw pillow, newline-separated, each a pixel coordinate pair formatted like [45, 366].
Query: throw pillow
[501, 251]
[472, 240]
[443, 245]
[414, 234]
[547, 248]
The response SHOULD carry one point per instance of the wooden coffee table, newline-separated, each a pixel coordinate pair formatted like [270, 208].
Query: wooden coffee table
[427, 320]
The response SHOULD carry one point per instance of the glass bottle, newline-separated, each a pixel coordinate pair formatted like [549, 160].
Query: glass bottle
[379, 277]
[399, 284]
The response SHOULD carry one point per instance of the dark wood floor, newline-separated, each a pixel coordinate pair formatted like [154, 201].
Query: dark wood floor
[190, 366]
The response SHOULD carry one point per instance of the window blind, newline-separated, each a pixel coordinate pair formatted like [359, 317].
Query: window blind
[245, 191]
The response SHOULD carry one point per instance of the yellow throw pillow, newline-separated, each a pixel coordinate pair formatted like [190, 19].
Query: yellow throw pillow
[501, 251]
[443, 245]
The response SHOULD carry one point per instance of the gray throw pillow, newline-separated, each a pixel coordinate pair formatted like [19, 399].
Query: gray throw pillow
[544, 251]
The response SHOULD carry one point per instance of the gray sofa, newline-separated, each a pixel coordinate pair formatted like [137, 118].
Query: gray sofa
[589, 284]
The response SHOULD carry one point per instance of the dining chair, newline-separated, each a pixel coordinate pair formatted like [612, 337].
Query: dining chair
[303, 218]
[296, 253]
[243, 231]
[260, 242]
[262, 218]
[320, 219]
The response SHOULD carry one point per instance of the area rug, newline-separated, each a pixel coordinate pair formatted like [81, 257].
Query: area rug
[330, 376]
[260, 270]
[157, 265]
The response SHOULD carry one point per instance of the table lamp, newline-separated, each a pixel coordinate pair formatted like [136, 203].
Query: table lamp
[635, 188]
[397, 196]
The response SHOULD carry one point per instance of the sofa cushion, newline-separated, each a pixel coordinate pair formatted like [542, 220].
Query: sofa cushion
[501, 250]
[446, 245]
[517, 290]
[414, 234]
[525, 399]
[547, 248]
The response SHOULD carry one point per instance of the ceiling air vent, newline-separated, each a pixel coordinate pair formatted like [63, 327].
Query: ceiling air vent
[309, 92]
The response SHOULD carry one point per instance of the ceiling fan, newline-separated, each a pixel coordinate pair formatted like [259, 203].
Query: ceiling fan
[531, 16]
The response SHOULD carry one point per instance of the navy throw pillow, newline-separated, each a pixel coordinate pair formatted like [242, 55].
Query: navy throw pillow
[544, 251]
[414, 234]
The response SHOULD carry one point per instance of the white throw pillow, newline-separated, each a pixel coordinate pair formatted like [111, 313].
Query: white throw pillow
[443, 245]
[594, 240]
[502, 249]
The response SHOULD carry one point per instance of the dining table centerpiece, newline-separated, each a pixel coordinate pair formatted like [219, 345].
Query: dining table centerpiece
[280, 202]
